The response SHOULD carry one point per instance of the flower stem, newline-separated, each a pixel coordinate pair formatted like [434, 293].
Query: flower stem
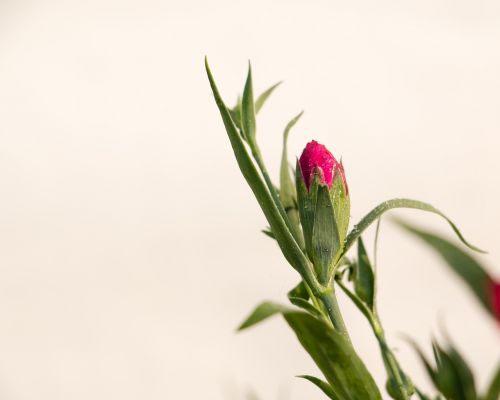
[329, 300]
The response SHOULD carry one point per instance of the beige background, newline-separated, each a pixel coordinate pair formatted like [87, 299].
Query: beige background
[129, 243]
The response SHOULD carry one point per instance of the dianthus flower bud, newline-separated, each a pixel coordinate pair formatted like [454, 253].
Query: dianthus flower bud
[324, 206]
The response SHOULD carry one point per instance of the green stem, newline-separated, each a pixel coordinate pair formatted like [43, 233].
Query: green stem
[329, 300]
[391, 364]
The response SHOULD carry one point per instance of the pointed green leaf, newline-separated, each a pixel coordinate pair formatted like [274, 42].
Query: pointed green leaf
[472, 273]
[325, 237]
[493, 392]
[364, 279]
[335, 357]
[399, 203]
[248, 122]
[262, 311]
[324, 386]
[289, 247]
[341, 203]
[264, 96]
[287, 192]
[367, 312]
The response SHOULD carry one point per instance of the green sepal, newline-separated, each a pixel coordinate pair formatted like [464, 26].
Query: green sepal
[364, 278]
[306, 201]
[325, 237]
[341, 203]
[472, 273]
[321, 384]
[335, 357]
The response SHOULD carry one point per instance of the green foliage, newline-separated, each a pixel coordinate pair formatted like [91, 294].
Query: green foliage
[364, 277]
[287, 192]
[472, 273]
[324, 386]
[450, 373]
[334, 356]
[373, 215]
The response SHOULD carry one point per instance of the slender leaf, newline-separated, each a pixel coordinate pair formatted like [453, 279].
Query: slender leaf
[364, 279]
[248, 122]
[289, 247]
[287, 192]
[261, 312]
[335, 357]
[493, 392]
[472, 273]
[399, 203]
[324, 386]
[264, 96]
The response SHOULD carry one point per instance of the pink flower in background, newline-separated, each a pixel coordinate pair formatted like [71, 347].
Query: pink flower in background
[495, 298]
[317, 159]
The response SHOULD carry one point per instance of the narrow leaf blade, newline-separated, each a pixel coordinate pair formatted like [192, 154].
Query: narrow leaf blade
[324, 386]
[262, 312]
[399, 203]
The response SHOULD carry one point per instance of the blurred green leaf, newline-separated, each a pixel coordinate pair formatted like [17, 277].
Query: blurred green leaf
[324, 386]
[399, 203]
[335, 357]
[264, 96]
[364, 279]
[472, 273]
[261, 312]
[493, 392]
[451, 375]
[299, 296]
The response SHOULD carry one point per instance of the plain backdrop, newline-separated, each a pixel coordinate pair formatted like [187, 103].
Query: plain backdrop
[130, 245]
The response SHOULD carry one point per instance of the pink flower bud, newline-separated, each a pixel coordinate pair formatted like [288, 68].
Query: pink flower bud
[495, 299]
[317, 160]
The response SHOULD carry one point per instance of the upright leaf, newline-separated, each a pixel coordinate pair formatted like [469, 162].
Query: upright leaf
[264, 96]
[364, 279]
[289, 247]
[288, 193]
[248, 122]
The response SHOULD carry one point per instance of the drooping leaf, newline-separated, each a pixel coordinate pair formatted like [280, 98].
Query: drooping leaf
[289, 247]
[373, 215]
[472, 273]
[264, 96]
[364, 279]
[493, 392]
[335, 357]
[261, 312]
[325, 236]
[324, 386]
